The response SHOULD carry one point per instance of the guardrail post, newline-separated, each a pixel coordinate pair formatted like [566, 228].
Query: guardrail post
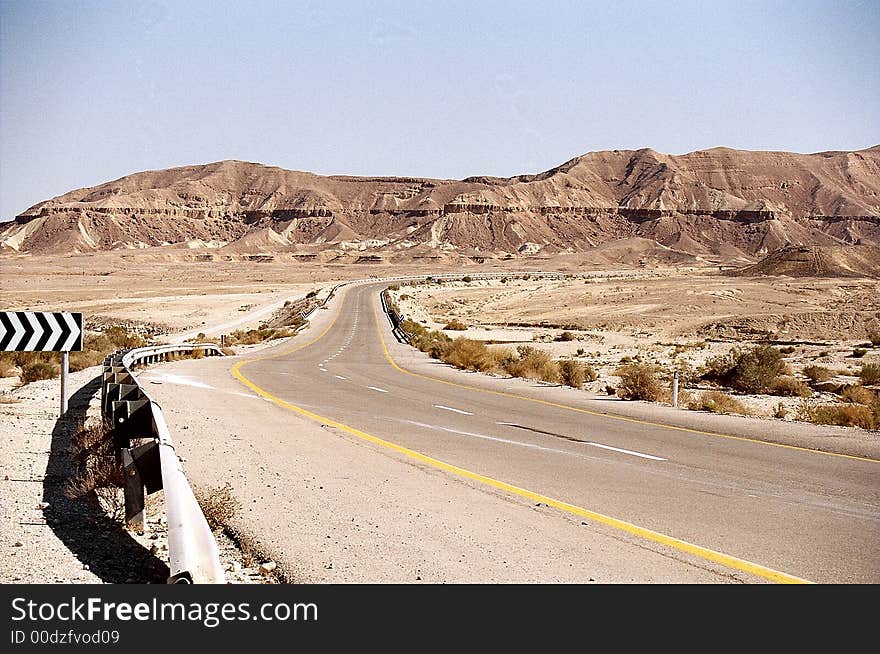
[135, 505]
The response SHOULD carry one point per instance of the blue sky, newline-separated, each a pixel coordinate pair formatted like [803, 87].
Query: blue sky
[91, 91]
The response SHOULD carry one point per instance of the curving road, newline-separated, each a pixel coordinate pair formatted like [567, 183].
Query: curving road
[779, 513]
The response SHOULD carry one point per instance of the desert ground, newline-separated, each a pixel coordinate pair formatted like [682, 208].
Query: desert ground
[673, 318]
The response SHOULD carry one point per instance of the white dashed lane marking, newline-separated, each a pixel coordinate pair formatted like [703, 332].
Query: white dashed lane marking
[449, 408]
[606, 447]
[373, 388]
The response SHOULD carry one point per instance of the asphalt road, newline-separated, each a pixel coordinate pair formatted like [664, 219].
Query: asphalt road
[754, 507]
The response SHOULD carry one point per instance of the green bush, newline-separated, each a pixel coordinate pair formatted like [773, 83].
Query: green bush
[750, 371]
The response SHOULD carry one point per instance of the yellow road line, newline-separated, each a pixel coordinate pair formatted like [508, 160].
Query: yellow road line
[641, 532]
[610, 416]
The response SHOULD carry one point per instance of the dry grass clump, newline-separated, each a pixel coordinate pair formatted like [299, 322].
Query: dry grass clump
[7, 368]
[96, 471]
[532, 363]
[218, 504]
[456, 325]
[37, 370]
[818, 373]
[718, 402]
[638, 381]
[844, 415]
[255, 336]
[572, 373]
[860, 407]
[857, 394]
[870, 374]
[786, 386]
[468, 354]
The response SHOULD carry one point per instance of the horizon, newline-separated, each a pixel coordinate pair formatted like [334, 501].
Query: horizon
[511, 102]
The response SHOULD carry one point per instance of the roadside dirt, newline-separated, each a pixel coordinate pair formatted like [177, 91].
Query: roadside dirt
[668, 319]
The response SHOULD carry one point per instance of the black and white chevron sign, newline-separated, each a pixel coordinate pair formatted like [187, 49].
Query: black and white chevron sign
[40, 331]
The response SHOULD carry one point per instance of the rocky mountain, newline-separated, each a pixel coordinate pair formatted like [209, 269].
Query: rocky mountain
[722, 204]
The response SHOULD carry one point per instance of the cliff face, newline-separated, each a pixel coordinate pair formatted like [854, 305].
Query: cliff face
[717, 201]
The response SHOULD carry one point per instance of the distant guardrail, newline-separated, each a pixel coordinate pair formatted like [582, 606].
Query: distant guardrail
[146, 452]
[394, 315]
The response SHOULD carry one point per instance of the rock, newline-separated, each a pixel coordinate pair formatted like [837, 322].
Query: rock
[86, 566]
[18, 543]
[268, 567]
[43, 505]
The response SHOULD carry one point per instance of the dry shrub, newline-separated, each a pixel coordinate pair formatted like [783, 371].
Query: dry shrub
[37, 370]
[789, 387]
[96, 470]
[857, 394]
[533, 363]
[874, 337]
[780, 411]
[638, 381]
[228, 351]
[571, 373]
[590, 373]
[469, 354]
[197, 353]
[566, 336]
[750, 371]
[818, 373]
[718, 402]
[844, 415]
[7, 367]
[86, 359]
[255, 336]
[456, 325]
[218, 504]
[870, 374]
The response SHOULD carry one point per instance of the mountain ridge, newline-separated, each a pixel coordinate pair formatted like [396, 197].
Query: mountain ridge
[707, 201]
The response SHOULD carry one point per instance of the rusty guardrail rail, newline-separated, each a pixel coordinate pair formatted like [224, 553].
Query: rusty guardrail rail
[146, 452]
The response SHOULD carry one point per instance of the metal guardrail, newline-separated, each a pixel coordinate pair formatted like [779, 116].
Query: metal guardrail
[146, 451]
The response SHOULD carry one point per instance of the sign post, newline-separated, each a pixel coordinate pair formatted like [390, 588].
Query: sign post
[39, 331]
